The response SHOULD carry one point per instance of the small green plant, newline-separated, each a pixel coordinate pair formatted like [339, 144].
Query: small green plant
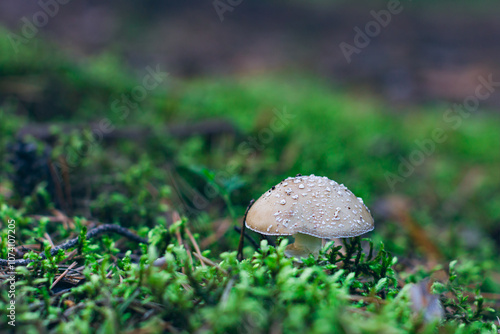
[463, 306]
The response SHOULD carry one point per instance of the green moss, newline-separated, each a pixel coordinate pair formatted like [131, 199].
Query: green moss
[285, 124]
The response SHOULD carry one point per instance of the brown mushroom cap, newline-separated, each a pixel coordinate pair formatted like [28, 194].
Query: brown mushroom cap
[310, 205]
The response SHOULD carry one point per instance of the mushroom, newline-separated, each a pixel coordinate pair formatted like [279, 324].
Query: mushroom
[309, 208]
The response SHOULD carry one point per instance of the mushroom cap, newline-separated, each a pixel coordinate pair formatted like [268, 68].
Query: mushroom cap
[311, 205]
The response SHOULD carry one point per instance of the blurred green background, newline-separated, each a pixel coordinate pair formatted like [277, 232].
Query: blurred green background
[246, 101]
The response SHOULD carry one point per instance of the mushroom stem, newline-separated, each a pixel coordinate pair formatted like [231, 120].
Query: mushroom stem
[304, 245]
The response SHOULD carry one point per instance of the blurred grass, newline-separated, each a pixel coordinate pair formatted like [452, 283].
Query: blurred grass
[351, 138]
[356, 140]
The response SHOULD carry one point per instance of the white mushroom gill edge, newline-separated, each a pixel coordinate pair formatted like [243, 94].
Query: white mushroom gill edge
[304, 244]
[311, 234]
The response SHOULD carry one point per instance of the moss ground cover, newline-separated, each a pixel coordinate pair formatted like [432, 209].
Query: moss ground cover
[185, 188]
